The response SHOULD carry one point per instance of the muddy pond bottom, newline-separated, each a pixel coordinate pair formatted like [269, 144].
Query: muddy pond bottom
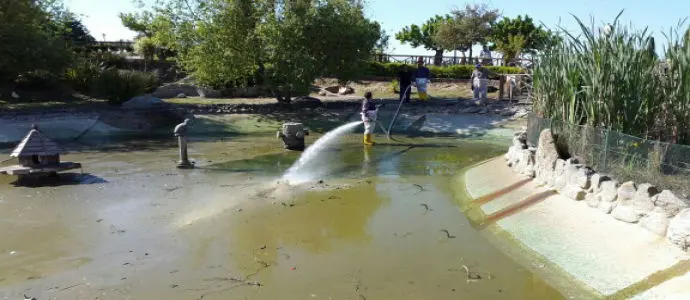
[382, 224]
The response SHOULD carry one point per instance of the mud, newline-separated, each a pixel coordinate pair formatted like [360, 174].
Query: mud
[383, 224]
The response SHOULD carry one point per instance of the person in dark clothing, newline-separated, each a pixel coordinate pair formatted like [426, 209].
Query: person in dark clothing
[405, 80]
[422, 76]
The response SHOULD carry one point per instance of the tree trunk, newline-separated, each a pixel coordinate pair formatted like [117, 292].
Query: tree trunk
[471, 58]
[438, 57]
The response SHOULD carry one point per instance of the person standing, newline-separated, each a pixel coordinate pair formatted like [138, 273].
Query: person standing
[405, 81]
[369, 114]
[479, 80]
[422, 79]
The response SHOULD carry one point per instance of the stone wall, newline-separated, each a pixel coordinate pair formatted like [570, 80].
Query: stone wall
[651, 208]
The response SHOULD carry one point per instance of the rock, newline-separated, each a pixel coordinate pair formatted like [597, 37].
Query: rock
[507, 112]
[521, 113]
[323, 93]
[519, 142]
[333, 89]
[545, 157]
[592, 200]
[608, 191]
[578, 175]
[626, 191]
[306, 102]
[642, 201]
[596, 181]
[14, 95]
[209, 93]
[656, 222]
[470, 110]
[525, 162]
[559, 181]
[606, 207]
[181, 95]
[175, 90]
[669, 203]
[479, 102]
[679, 229]
[483, 111]
[145, 102]
[574, 192]
[626, 213]
[346, 90]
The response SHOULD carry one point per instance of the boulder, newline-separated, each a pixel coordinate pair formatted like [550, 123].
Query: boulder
[578, 175]
[626, 191]
[608, 191]
[545, 157]
[596, 181]
[175, 90]
[679, 229]
[574, 192]
[559, 181]
[525, 162]
[306, 102]
[626, 213]
[606, 207]
[642, 201]
[592, 199]
[333, 89]
[209, 93]
[346, 90]
[669, 203]
[145, 102]
[656, 221]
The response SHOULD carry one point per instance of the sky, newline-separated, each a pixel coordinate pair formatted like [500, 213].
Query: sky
[100, 16]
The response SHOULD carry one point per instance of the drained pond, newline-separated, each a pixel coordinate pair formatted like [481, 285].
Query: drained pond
[382, 222]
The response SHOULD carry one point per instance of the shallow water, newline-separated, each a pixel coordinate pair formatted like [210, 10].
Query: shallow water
[134, 227]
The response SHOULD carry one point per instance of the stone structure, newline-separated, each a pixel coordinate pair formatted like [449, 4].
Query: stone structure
[293, 136]
[658, 211]
[181, 134]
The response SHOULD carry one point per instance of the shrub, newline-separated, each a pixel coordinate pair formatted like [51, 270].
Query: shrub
[83, 75]
[37, 80]
[449, 72]
[118, 86]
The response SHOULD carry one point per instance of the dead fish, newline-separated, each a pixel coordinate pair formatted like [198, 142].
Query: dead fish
[426, 206]
[450, 236]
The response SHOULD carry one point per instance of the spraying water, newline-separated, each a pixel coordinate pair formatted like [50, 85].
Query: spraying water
[307, 167]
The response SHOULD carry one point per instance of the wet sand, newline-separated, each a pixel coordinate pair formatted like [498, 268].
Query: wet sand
[134, 227]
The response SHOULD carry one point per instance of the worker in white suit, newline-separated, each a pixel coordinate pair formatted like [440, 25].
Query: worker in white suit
[369, 114]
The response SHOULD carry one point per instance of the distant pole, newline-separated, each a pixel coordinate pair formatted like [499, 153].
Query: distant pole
[103, 37]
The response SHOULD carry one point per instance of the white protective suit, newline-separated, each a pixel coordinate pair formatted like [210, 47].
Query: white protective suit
[369, 119]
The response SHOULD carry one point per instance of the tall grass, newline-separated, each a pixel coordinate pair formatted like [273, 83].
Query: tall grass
[616, 81]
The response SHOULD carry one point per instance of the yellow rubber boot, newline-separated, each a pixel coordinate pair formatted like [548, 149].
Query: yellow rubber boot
[367, 140]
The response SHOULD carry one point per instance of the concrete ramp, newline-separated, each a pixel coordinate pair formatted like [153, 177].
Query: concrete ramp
[613, 259]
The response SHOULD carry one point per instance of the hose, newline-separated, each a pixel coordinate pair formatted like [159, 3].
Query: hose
[402, 100]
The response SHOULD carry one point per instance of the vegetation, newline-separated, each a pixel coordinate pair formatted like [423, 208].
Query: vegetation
[449, 72]
[424, 36]
[614, 80]
[285, 45]
[32, 35]
[513, 37]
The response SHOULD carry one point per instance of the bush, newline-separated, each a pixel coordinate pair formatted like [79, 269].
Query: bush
[118, 86]
[450, 72]
[82, 76]
[37, 80]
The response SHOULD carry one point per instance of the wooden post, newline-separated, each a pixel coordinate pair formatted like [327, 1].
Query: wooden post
[501, 86]
[184, 159]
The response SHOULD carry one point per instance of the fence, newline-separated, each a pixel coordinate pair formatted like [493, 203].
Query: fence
[619, 155]
[445, 61]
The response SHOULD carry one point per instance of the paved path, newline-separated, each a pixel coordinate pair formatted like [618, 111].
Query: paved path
[608, 258]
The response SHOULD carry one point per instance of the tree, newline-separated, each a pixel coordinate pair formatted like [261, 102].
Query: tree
[450, 35]
[536, 38]
[32, 37]
[77, 34]
[382, 43]
[475, 23]
[511, 47]
[425, 36]
[287, 44]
